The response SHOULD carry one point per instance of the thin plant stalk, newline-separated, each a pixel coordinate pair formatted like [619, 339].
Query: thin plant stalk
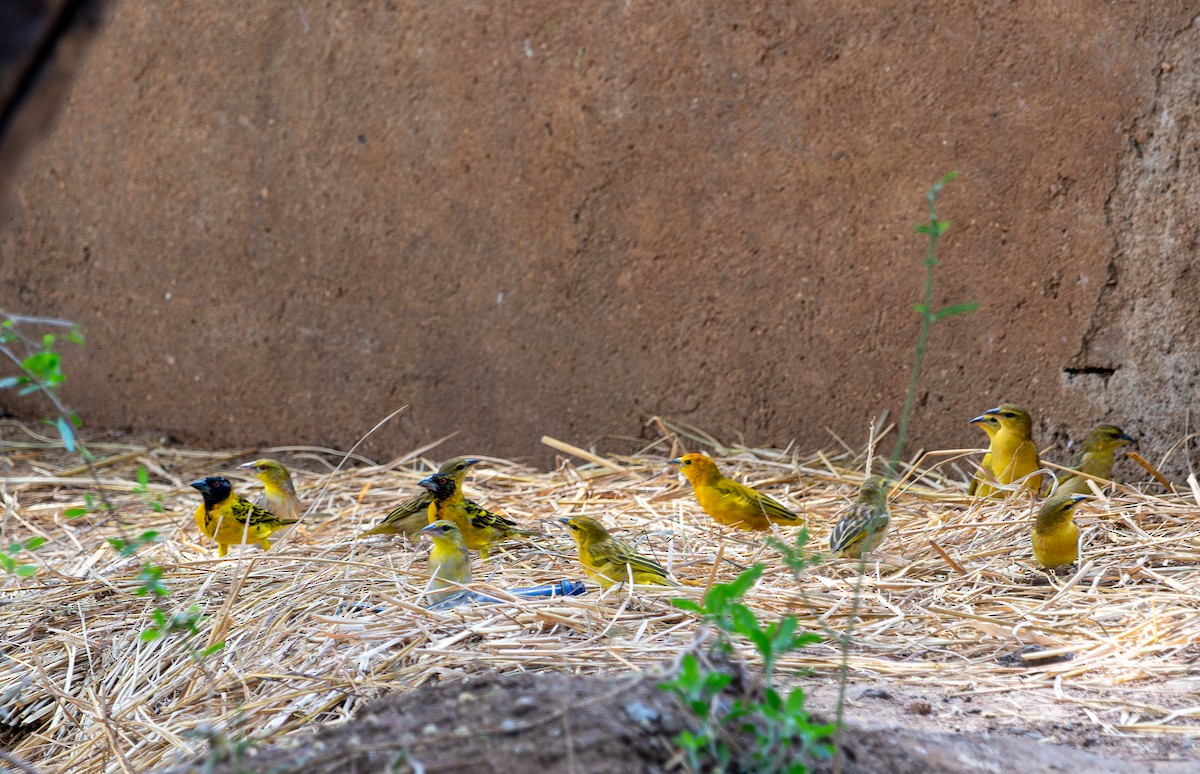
[929, 316]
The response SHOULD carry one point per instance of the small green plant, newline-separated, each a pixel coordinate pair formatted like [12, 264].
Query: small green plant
[10, 563]
[929, 316]
[142, 488]
[785, 737]
[39, 365]
[221, 748]
[39, 370]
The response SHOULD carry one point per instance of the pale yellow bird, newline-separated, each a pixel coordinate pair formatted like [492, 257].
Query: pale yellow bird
[1095, 458]
[608, 560]
[1014, 455]
[449, 561]
[279, 494]
[1055, 534]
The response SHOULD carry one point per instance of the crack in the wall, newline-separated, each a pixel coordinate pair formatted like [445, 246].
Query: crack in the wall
[1138, 358]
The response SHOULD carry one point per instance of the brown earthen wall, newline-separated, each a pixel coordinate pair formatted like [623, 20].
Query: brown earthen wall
[279, 221]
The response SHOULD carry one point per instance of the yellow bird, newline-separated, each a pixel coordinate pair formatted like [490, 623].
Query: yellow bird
[279, 495]
[1014, 455]
[1095, 458]
[411, 516]
[449, 562]
[1055, 534]
[731, 503]
[608, 560]
[480, 528]
[230, 519]
[861, 529]
[979, 485]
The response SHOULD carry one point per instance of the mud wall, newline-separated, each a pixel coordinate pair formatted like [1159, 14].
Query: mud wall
[280, 221]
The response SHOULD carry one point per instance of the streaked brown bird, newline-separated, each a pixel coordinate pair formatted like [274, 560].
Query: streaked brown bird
[411, 516]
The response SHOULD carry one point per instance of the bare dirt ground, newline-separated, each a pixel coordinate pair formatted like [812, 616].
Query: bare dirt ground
[555, 722]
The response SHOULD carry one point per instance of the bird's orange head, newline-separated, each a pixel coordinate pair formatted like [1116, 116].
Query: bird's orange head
[697, 467]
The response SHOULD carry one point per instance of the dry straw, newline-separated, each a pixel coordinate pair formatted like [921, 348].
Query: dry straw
[324, 622]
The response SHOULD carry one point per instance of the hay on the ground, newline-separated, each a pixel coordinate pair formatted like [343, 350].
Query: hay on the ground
[324, 621]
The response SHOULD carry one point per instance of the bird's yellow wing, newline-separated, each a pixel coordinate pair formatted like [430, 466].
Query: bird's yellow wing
[244, 511]
[407, 518]
[481, 518]
[615, 555]
[754, 501]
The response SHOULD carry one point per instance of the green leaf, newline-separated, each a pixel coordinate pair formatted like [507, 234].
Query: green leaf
[795, 701]
[7, 562]
[920, 309]
[150, 634]
[48, 341]
[75, 336]
[211, 649]
[143, 478]
[28, 390]
[744, 582]
[44, 365]
[75, 513]
[922, 228]
[76, 420]
[689, 670]
[715, 682]
[744, 619]
[687, 604]
[34, 542]
[806, 638]
[26, 570]
[14, 548]
[781, 633]
[953, 309]
[68, 435]
[940, 226]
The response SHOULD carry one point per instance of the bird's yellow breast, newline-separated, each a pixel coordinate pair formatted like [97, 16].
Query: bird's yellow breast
[1056, 546]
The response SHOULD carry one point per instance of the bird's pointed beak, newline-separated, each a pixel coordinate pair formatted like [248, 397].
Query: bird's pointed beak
[1077, 497]
[429, 529]
[246, 465]
[1129, 439]
[674, 461]
[565, 522]
[428, 483]
[199, 484]
[992, 412]
[472, 461]
[979, 420]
